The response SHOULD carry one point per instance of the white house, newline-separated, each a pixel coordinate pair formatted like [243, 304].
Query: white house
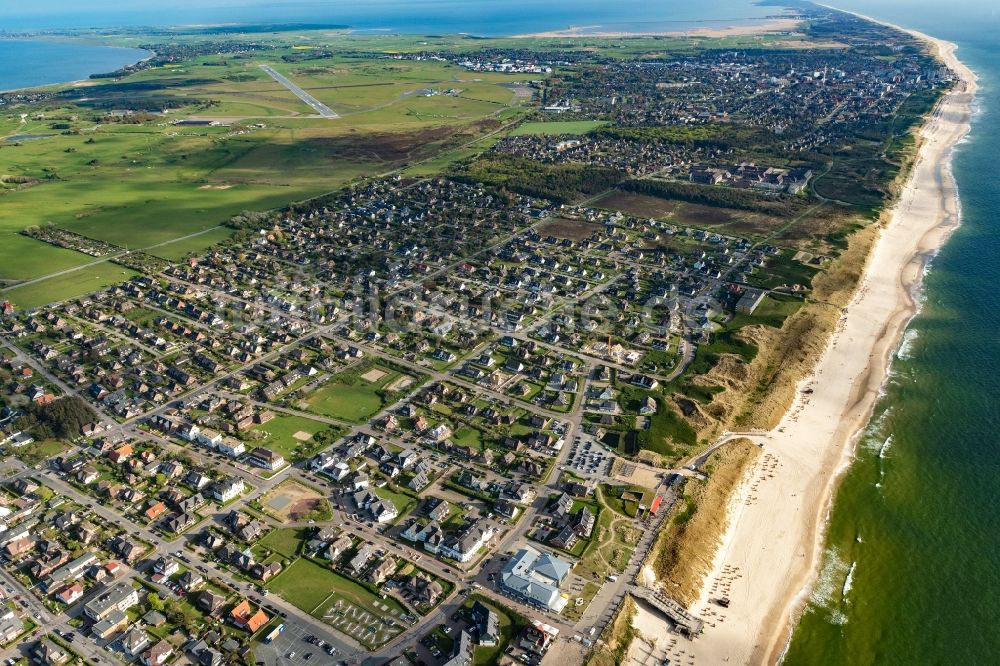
[228, 489]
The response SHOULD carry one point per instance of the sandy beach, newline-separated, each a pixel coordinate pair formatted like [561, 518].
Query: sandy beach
[756, 28]
[774, 544]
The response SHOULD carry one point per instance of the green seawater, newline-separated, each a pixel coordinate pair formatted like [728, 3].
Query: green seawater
[912, 567]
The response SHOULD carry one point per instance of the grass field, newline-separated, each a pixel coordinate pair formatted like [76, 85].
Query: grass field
[350, 396]
[176, 250]
[152, 182]
[36, 452]
[315, 589]
[284, 541]
[305, 585]
[558, 127]
[69, 285]
[281, 431]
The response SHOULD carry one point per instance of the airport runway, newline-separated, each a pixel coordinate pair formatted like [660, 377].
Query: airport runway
[318, 106]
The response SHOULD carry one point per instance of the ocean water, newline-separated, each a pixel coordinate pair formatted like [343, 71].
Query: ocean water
[480, 17]
[912, 570]
[27, 63]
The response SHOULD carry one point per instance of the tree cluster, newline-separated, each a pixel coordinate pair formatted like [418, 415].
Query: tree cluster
[63, 418]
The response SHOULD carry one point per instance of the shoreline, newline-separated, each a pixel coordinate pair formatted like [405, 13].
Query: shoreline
[74, 82]
[774, 545]
[759, 27]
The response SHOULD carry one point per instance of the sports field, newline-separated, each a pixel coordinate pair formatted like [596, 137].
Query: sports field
[354, 395]
[291, 436]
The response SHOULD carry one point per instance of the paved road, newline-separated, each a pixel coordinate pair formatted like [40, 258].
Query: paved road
[317, 106]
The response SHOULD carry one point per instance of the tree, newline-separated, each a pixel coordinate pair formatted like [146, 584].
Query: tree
[66, 416]
[155, 602]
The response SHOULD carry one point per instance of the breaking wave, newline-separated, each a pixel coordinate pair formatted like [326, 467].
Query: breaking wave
[828, 585]
[905, 350]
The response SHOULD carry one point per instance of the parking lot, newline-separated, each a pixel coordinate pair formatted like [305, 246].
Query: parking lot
[290, 648]
[588, 458]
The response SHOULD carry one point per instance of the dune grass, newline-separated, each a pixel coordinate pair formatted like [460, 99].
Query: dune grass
[684, 551]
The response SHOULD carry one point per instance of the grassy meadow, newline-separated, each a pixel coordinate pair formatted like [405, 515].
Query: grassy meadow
[166, 188]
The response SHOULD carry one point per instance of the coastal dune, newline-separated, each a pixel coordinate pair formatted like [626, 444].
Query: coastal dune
[774, 543]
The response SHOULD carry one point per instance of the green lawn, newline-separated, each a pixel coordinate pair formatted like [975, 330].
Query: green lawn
[307, 585]
[511, 624]
[403, 503]
[612, 497]
[772, 311]
[285, 541]
[281, 431]
[468, 437]
[178, 249]
[69, 285]
[36, 452]
[558, 127]
[350, 397]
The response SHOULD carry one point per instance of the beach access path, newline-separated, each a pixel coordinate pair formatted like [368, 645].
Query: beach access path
[774, 544]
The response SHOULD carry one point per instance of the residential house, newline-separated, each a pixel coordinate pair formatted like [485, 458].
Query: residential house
[267, 459]
[382, 570]
[360, 560]
[157, 655]
[243, 616]
[210, 602]
[119, 597]
[227, 490]
[487, 624]
[109, 625]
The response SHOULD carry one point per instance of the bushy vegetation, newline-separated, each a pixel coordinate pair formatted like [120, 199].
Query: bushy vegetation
[709, 195]
[251, 219]
[61, 418]
[685, 549]
[616, 638]
[560, 182]
[724, 136]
